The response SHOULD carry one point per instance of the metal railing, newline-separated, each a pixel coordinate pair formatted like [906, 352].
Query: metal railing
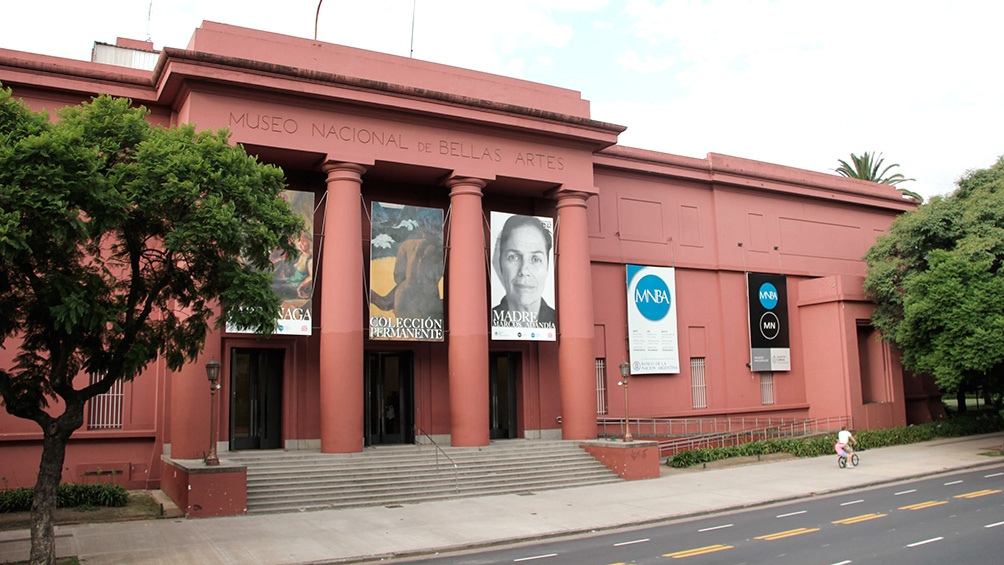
[687, 434]
[662, 427]
[456, 468]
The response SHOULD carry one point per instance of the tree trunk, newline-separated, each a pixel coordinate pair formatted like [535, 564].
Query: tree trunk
[960, 399]
[43, 502]
[50, 473]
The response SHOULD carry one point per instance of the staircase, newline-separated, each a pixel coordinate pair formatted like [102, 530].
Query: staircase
[292, 481]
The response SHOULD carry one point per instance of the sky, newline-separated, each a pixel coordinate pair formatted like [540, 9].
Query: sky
[800, 83]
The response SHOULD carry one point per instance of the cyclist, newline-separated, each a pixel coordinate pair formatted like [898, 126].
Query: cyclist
[844, 440]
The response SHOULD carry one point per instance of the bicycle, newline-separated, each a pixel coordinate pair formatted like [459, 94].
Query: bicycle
[842, 459]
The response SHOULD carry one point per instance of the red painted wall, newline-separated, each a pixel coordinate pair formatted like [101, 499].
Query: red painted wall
[631, 461]
[713, 219]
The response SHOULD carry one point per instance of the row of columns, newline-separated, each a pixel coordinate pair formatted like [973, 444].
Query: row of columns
[342, 337]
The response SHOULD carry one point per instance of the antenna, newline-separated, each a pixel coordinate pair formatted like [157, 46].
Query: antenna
[411, 51]
[149, 11]
[317, 16]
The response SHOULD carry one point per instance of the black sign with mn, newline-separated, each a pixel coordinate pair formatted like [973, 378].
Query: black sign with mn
[768, 317]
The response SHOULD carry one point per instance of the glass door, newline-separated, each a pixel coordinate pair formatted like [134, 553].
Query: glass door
[389, 403]
[256, 398]
[502, 395]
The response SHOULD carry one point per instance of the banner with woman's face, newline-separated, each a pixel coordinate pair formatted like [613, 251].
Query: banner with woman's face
[523, 278]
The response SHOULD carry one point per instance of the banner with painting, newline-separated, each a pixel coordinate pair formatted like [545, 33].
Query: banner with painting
[767, 297]
[523, 285]
[652, 333]
[293, 278]
[406, 273]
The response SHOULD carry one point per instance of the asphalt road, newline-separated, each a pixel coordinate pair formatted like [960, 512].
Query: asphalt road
[952, 518]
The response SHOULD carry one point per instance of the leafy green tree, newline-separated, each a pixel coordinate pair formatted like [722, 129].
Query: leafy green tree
[121, 243]
[869, 167]
[938, 280]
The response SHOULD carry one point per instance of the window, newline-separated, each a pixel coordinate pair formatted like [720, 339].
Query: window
[698, 388]
[105, 410]
[767, 388]
[601, 386]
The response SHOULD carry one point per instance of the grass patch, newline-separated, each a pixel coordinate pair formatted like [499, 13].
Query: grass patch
[140, 505]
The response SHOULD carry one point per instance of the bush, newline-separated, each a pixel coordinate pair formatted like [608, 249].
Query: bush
[867, 439]
[15, 499]
[70, 495]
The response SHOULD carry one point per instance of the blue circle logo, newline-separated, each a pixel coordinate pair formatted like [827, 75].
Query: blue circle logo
[651, 297]
[768, 296]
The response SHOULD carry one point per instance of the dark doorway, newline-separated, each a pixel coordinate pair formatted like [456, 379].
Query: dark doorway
[256, 398]
[502, 394]
[389, 398]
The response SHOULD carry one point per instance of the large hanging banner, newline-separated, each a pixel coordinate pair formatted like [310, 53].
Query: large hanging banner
[406, 273]
[293, 279]
[768, 317]
[523, 285]
[652, 332]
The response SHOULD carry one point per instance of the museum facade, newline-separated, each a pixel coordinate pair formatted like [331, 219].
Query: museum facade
[481, 256]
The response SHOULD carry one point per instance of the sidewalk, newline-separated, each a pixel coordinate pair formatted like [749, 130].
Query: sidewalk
[358, 534]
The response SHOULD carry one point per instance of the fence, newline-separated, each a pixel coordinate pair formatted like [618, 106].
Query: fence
[687, 434]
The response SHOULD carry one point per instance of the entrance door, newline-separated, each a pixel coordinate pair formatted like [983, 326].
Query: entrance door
[389, 403]
[256, 398]
[502, 395]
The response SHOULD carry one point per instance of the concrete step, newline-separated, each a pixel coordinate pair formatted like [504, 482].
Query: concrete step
[293, 504]
[291, 481]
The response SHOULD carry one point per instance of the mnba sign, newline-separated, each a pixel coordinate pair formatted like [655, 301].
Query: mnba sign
[770, 349]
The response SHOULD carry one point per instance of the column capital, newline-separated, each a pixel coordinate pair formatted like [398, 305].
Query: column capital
[341, 170]
[465, 185]
[564, 193]
[576, 198]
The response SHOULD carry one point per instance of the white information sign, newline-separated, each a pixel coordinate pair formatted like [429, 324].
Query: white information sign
[652, 333]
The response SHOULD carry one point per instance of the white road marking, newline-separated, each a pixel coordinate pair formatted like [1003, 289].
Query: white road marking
[994, 525]
[948, 484]
[905, 492]
[535, 557]
[925, 541]
[632, 542]
[790, 514]
[715, 528]
[851, 502]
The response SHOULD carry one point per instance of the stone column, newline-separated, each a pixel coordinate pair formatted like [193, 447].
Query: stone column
[468, 315]
[576, 365]
[341, 298]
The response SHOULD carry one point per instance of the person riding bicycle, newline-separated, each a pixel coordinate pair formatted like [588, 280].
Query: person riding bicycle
[844, 440]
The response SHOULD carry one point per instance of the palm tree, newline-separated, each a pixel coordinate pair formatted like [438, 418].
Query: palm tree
[869, 167]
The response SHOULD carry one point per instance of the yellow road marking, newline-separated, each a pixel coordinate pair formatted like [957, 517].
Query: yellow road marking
[922, 505]
[977, 493]
[788, 534]
[861, 518]
[697, 551]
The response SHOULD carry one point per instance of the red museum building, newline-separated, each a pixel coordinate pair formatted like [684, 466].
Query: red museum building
[362, 136]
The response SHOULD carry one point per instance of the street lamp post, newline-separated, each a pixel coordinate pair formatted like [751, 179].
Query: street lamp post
[213, 373]
[625, 373]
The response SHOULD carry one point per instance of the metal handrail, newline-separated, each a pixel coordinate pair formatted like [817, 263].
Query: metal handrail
[801, 428]
[661, 427]
[686, 434]
[456, 468]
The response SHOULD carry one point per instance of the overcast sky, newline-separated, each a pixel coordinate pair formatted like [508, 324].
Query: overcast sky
[794, 82]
